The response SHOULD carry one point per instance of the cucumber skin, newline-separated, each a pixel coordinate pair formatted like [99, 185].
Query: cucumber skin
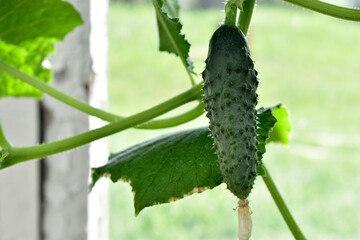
[230, 83]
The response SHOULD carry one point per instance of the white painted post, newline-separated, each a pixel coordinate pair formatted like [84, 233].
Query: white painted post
[98, 199]
[19, 184]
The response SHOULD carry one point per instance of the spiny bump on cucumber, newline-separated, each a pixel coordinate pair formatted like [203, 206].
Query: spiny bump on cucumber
[230, 83]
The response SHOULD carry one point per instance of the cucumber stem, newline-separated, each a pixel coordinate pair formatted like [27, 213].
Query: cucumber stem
[175, 121]
[230, 12]
[86, 108]
[275, 194]
[21, 154]
[351, 14]
[4, 143]
[246, 15]
[68, 100]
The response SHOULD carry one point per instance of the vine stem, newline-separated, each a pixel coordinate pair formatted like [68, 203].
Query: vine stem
[351, 14]
[175, 121]
[290, 221]
[246, 15]
[172, 40]
[21, 154]
[68, 100]
[4, 143]
[86, 108]
[230, 12]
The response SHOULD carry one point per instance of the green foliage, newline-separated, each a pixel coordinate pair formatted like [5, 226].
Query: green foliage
[21, 40]
[28, 57]
[166, 168]
[273, 126]
[265, 124]
[169, 27]
[171, 8]
[293, 68]
[26, 20]
[28, 31]
[282, 129]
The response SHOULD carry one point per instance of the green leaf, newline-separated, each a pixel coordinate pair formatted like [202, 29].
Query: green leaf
[22, 20]
[28, 32]
[169, 28]
[273, 126]
[166, 168]
[282, 129]
[265, 124]
[172, 8]
[29, 57]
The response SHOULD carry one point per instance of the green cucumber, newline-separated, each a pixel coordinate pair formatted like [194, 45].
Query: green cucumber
[230, 83]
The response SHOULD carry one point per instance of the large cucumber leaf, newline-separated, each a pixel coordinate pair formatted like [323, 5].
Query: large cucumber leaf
[166, 168]
[169, 29]
[28, 32]
[170, 167]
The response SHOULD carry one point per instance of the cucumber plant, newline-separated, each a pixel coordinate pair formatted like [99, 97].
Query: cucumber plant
[239, 131]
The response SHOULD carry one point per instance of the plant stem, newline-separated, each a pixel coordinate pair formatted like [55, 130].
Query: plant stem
[21, 154]
[230, 12]
[172, 40]
[175, 121]
[351, 14]
[290, 221]
[73, 102]
[245, 15]
[4, 143]
[86, 108]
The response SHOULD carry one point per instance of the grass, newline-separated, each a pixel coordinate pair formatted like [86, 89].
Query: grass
[306, 61]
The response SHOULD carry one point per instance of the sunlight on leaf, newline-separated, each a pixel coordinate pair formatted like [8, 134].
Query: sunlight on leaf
[282, 130]
[28, 32]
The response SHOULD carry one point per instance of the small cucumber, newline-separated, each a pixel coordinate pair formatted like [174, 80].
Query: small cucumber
[230, 83]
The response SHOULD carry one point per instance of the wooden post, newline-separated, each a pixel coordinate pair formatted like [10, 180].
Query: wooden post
[65, 178]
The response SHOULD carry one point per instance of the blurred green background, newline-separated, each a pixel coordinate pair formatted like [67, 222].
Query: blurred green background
[309, 62]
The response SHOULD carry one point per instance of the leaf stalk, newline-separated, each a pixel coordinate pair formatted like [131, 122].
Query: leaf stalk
[68, 100]
[246, 15]
[280, 203]
[175, 121]
[88, 109]
[345, 13]
[230, 12]
[4, 142]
